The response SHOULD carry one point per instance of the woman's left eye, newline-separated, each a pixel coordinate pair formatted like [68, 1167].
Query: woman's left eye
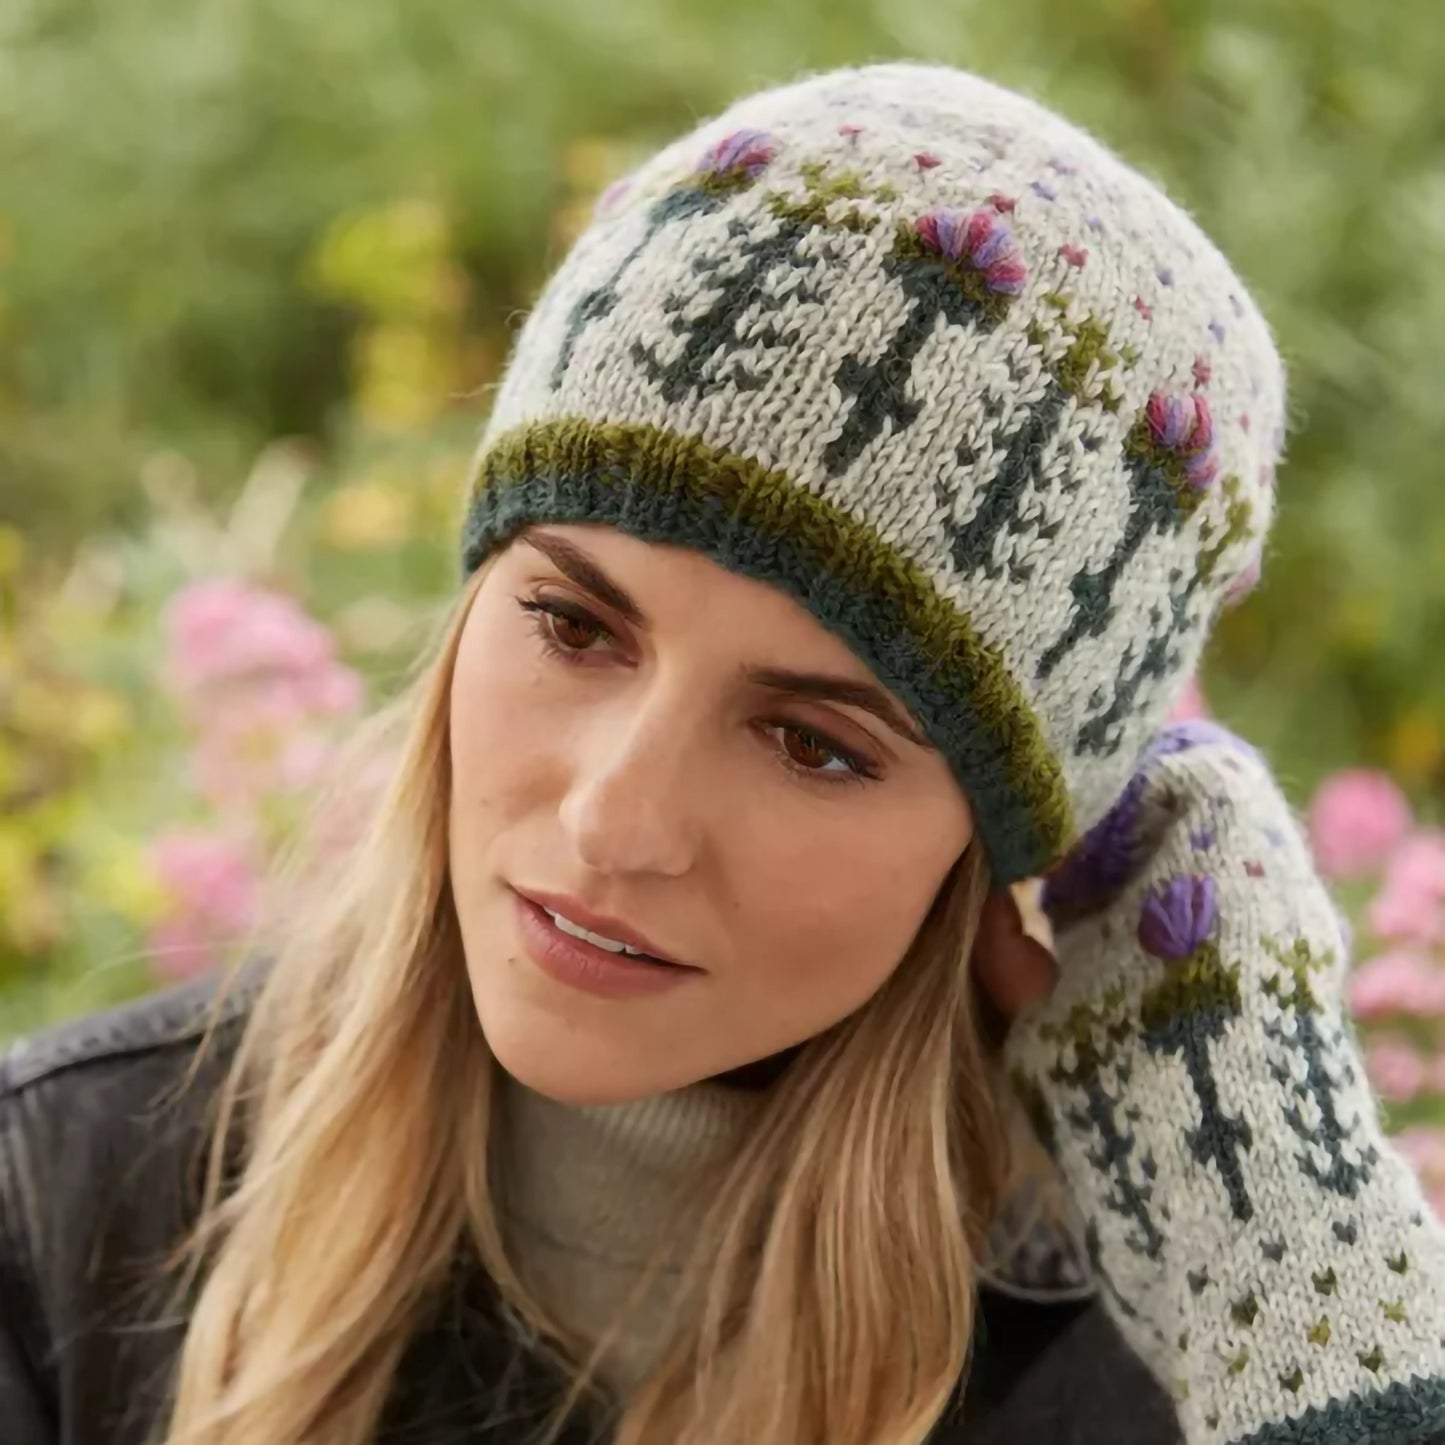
[567, 632]
[808, 753]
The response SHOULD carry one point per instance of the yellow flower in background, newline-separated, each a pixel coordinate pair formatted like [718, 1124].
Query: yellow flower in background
[394, 261]
[99, 717]
[12, 550]
[40, 708]
[406, 378]
[1417, 746]
[30, 913]
[366, 515]
[119, 878]
[10, 768]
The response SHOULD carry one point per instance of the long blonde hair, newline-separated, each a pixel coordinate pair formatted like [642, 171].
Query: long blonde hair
[348, 1164]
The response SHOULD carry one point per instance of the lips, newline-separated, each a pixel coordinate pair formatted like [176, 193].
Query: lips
[601, 923]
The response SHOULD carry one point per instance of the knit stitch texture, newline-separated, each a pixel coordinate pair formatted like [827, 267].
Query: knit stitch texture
[945, 369]
[1257, 1239]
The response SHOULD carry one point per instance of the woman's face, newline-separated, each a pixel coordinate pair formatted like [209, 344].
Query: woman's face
[675, 756]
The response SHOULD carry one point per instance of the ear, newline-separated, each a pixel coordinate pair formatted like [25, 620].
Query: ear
[1014, 967]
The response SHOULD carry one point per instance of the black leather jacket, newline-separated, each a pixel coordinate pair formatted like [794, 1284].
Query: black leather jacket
[101, 1156]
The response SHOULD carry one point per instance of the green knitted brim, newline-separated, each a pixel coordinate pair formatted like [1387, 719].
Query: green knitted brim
[661, 487]
[1401, 1414]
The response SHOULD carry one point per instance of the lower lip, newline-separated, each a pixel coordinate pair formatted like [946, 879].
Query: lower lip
[583, 965]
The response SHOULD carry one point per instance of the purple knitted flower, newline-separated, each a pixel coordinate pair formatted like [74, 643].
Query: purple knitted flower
[980, 240]
[1099, 865]
[1178, 917]
[741, 155]
[1195, 733]
[1181, 424]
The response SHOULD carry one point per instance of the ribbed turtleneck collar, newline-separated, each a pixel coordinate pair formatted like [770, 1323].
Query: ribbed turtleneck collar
[589, 1192]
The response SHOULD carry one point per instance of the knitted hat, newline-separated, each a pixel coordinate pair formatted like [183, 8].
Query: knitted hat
[940, 366]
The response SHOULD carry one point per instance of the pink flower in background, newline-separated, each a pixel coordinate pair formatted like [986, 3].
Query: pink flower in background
[1191, 706]
[260, 681]
[1358, 817]
[1411, 904]
[212, 885]
[1397, 1071]
[225, 630]
[1401, 981]
[1423, 1146]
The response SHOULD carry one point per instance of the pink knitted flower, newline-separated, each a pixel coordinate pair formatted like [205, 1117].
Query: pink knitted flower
[1181, 423]
[744, 153]
[978, 239]
[1357, 819]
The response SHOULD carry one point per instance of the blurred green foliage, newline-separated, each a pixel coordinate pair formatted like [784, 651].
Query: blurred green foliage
[239, 222]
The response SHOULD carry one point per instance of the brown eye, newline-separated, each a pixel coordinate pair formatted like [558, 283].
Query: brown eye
[807, 750]
[566, 633]
[574, 633]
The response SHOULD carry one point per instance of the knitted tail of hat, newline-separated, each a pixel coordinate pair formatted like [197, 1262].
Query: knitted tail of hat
[1255, 1236]
[941, 366]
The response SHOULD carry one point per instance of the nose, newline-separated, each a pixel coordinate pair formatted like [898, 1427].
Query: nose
[633, 804]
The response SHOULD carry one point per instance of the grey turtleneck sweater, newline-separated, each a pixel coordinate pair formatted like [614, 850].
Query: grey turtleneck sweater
[588, 1193]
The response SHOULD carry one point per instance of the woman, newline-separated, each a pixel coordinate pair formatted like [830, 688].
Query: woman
[853, 511]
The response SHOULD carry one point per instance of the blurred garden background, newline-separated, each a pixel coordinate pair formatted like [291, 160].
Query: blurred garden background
[259, 264]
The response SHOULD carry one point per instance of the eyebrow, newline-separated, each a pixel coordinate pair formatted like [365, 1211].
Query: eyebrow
[576, 565]
[573, 562]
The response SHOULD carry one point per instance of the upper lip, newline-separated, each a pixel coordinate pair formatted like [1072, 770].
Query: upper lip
[613, 928]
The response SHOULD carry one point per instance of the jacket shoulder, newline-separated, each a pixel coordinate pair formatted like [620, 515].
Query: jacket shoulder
[171, 1020]
[104, 1123]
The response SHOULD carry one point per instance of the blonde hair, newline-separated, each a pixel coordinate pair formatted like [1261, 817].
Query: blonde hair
[348, 1164]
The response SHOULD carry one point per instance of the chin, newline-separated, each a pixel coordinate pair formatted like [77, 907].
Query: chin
[573, 1069]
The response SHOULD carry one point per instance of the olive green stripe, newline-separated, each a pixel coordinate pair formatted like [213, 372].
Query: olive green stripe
[665, 487]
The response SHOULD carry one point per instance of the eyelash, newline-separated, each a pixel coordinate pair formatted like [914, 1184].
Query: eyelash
[541, 615]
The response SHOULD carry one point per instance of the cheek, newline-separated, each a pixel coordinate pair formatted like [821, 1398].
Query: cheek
[827, 930]
[500, 754]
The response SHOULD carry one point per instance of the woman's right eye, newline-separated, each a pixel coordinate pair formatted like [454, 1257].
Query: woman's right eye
[567, 632]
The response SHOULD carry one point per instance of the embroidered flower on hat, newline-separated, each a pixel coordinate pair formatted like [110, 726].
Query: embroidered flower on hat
[979, 240]
[1178, 917]
[737, 160]
[1180, 425]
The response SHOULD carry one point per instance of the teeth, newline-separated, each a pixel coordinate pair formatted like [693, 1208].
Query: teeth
[577, 931]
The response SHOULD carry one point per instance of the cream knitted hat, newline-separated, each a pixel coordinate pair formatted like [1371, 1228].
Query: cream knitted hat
[942, 367]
